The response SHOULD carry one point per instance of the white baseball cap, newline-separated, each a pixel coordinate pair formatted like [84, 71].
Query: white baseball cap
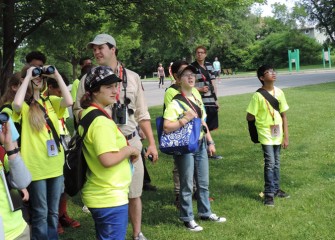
[102, 39]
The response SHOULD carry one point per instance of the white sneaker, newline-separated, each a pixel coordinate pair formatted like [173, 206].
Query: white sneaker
[85, 209]
[214, 218]
[193, 226]
[140, 237]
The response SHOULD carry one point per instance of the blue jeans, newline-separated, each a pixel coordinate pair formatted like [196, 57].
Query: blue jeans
[110, 223]
[271, 169]
[44, 202]
[189, 166]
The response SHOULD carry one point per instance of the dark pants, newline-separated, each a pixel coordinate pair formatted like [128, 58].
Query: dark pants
[212, 119]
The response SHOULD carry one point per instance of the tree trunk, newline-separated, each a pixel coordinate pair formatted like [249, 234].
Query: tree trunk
[9, 45]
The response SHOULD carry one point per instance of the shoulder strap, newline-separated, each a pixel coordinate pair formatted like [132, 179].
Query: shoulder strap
[86, 121]
[51, 125]
[271, 99]
[183, 99]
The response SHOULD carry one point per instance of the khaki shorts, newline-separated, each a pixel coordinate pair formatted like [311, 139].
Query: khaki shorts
[136, 186]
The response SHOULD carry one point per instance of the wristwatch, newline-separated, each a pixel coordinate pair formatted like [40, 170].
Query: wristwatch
[210, 143]
[11, 152]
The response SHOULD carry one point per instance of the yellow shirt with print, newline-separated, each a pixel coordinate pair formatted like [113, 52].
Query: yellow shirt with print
[105, 187]
[263, 111]
[34, 145]
[13, 222]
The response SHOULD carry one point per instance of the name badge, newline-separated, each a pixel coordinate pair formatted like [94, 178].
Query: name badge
[52, 148]
[275, 130]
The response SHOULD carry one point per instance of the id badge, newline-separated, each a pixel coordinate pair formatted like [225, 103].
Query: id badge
[275, 130]
[52, 148]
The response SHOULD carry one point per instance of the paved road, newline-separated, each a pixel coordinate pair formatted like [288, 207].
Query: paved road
[238, 85]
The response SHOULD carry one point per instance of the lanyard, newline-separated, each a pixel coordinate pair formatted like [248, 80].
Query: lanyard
[119, 87]
[191, 105]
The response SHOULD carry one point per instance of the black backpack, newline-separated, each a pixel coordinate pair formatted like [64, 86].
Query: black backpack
[75, 166]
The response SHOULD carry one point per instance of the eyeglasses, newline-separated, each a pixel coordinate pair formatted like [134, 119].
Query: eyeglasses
[270, 72]
[188, 75]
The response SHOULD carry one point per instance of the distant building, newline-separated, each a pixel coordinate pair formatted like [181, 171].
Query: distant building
[315, 33]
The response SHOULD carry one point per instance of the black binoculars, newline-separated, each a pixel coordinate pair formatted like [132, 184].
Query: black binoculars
[38, 71]
[4, 117]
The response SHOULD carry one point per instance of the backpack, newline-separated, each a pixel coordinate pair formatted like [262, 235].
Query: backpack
[75, 166]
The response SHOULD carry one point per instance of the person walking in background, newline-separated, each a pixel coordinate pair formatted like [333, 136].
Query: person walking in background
[272, 129]
[217, 68]
[191, 165]
[132, 108]
[206, 85]
[161, 75]
[40, 147]
[108, 156]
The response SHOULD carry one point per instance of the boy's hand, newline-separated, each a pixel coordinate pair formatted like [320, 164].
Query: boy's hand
[284, 143]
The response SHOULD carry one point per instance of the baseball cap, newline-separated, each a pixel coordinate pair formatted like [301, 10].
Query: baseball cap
[98, 76]
[177, 64]
[102, 39]
[189, 67]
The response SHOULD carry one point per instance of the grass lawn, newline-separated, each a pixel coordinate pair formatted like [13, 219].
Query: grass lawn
[307, 174]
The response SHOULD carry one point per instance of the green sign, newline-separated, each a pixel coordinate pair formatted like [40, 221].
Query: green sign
[294, 57]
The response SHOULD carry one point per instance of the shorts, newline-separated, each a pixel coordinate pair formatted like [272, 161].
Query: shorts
[136, 185]
[212, 119]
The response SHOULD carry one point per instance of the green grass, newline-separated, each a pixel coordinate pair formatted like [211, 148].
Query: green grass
[307, 174]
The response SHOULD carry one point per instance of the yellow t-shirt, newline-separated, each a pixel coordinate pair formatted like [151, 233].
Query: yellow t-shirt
[74, 89]
[173, 110]
[105, 187]
[34, 145]
[263, 113]
[13, 222]
[171, 92]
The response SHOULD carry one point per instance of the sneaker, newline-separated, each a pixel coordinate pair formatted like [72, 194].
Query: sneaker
[60, 229]
[66, 221]
[281, 194]
[268, 201]
[149, 187]
[214, 218]
[140, 236]
[215, 157]
[193, 226]
[85, 209]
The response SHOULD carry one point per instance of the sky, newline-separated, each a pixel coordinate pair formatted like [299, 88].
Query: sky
[267, 10]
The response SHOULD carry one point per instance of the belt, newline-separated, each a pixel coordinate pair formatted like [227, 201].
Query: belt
[130, 136]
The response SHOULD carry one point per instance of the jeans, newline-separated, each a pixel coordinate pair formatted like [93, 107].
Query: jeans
[110, 223]
[189, 166]
[271, 169]
[44, 202]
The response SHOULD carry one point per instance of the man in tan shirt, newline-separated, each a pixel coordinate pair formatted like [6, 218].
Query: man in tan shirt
[131, 96]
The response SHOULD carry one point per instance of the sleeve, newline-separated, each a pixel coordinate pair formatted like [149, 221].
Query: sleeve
[253, 105]
[19, 175]
[173, 111]
[282, 103]
[56, 104]
[141, 112]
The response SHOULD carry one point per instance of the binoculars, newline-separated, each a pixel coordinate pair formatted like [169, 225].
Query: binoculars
[4, 117]
[38, 71]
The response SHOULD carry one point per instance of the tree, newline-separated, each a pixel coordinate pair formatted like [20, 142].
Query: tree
[322, 12]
